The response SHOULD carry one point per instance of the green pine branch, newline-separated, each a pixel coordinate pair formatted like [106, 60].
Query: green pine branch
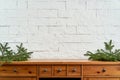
[107, 54]
[8, 55]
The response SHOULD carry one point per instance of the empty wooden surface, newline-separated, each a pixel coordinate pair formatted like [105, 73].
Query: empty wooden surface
[65, 61]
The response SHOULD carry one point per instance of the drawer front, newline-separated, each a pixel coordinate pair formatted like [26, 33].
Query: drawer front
[73, 70]
[17, 78]
[101, 78]
[45, 71]
[101, 70]
[60, 70]
[18, 70]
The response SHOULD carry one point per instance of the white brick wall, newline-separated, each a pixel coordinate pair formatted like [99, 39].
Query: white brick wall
[60, 29]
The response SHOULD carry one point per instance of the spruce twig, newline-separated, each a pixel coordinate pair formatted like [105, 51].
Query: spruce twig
[106, 54]
[8, 55]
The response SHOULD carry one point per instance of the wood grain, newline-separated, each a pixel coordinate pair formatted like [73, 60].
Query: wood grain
[84, 69]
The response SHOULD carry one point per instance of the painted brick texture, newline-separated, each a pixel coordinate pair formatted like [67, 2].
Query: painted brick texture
[60, 29]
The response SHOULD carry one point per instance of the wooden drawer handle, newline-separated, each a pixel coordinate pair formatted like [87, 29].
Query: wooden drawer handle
[45, 70]
[98, 72]
[14, 70]
[103, 70]
[29, 72]
[59, 70]
[74, 70]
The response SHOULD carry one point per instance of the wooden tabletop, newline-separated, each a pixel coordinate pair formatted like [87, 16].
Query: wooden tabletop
[63, 61]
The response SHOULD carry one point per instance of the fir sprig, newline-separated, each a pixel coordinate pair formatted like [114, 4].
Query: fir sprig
[22, 53]
[107, 54]
[7, 55]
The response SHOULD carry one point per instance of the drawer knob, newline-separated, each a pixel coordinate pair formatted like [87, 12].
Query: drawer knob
[29, 72]
[74, 70]
[98, 72]
[59, 70]
[103, 70]
[45, 70]
[14, 70]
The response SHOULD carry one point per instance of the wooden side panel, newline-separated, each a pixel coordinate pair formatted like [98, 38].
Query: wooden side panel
[101, 79]
[17, 78]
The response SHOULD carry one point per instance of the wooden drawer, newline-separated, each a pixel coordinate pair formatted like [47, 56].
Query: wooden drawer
[105, 70]
[17, 78]
[45, 71]
[60, 70]
[101, 78]
[17, 70]
[73, 70]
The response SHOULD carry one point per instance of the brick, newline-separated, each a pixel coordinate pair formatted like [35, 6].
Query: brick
[13, 13]
[24, 29]
[114, 4]
[78, 47]
[42, 29]
[22, 4]
[80, 17]
[48, 0]
[76, 4]
[42, 21]
[14, 30]
[65, 13]
[56, 30]
[4, 39]
[34, 38]
[109, 16]
[13, 21]
[103, 4]
[101, 29]
[70, 29]
[4, 30]
[48, 55]
[8, 4]
[47, 13]
[30, 29]
[57, 0]
[82, 38]
[45, 5]
[14, 38]
[18, 38]
[41, 47]
[42, 13]
[76, 38]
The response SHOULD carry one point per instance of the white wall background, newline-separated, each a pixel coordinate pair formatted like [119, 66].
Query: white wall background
[60, 29]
